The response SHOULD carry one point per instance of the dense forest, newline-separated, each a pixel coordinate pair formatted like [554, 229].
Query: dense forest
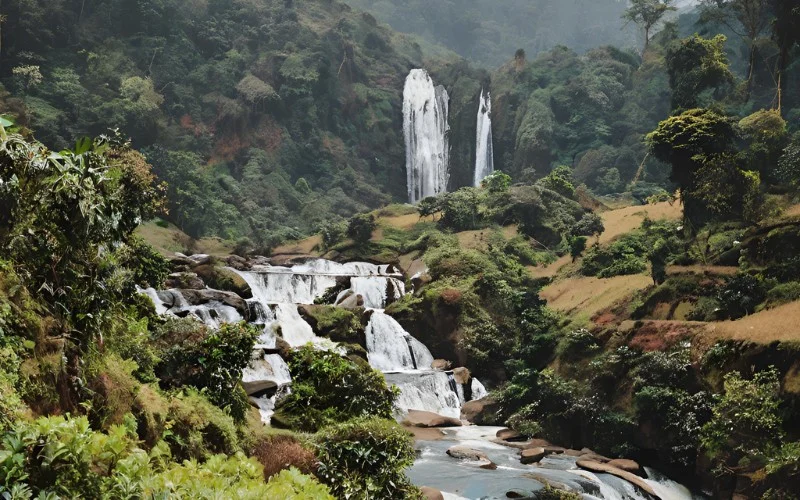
[211, 284]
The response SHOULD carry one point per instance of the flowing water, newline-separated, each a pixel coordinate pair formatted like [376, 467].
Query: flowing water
[406, 363]
[425, 114]
[484, 152]
[462, 479]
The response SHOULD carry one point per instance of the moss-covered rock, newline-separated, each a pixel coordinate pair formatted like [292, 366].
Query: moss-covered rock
[224, 279]
[336, 323]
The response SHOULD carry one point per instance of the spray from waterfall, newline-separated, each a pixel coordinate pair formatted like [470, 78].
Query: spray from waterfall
[425, 113]
[484, 153]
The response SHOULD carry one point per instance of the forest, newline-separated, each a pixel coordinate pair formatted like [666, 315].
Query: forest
[212, 284]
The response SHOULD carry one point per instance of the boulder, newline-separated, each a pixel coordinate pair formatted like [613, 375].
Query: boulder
[483, 411]
[594, 457]
[635, 480]
[509, 435]
[180, 260]
[536, 443]
[238, 263]
[431, 493]
[466, 453]
[471, 455]
[200, 259]
[221, 278]
[554, 450]
[184, 280]
[574, 453]
[260, 375]
[199, 297]
[418, 418]
[351, 301]
[628, 466]
[462, 376]
[532, 455]
[441, 364]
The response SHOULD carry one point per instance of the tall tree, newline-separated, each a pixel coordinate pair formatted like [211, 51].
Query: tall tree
[694, 65]
[647, 14]
[747, 18]
[786, 33]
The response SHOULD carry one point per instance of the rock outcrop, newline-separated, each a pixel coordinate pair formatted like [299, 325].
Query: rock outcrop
[427, 419]
[637, 481]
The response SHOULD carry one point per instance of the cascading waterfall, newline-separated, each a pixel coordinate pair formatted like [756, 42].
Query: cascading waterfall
[426, 130]
[392, 349]
[484, 152]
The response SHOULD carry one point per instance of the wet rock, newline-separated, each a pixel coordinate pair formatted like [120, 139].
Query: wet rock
[482, 411]
[472, 455]
[431, 493]
[554, 450]
[595, 458]
[635, 480]
[462, 376]
[509, 435]
[258, 376]
[199, 297]
[429, 419]
[532, 455]
[466, 453]
[351, 301]
[517, 494]
[184, 280]
[574, 453]
[221, 278]
[441, 364]
[167, 297]
[628, 466]
[537, 443]
[180, 260]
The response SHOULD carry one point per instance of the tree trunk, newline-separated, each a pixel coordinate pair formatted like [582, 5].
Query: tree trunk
[750, 72]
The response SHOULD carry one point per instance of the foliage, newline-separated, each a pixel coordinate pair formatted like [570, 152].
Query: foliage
[740, 296]
[460, 210]
[745, 420]
[696, 65]
[577, 244]
[328, 388]
[560, 180]
[647, 14]
[497, 182]
[360, 228]
[211, 360]
[366, 458]
[590, 224]
[60, 456]
[149, 268]
[655, 242]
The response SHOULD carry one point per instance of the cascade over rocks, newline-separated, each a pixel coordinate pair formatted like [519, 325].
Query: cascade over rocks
[637, 481]
[200, 297]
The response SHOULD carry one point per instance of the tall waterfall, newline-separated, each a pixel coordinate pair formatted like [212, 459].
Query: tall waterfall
[425, 112]
[484, 152]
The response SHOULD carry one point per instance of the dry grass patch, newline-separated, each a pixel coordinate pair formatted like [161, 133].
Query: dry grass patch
[625, 220]
[590, 295]
[170, 239]
[778, 324]
[282, 451]
[302, 247]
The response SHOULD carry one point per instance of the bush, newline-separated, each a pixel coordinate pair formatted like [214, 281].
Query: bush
[62, 457]
[328, 388]
[281, 451]
[211, 360]
[577, 345]
[740, 296]
[197, 428]
[783, 294]
[360, 228]
[461, 210]
[149, 268]
[367, 459]
[745, 420]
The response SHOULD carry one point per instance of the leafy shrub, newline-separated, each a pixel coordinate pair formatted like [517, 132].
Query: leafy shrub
[211, 360]
[740, 296]
[59, 456]
[333, 233]
[360, 228]
[328, 388]
[663, 369]
[783, 294]
[745, 420]
[461, 210]
[590, 224]
[149, 268]
[577, 344]
[366, 459]
[197, 428]
[705, 309]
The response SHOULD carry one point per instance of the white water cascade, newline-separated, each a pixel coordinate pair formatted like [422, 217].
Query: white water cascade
[484, 152]
[426, 130]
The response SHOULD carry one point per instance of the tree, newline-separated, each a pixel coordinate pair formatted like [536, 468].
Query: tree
[577, 244]
[497, 182]
[590, 224]
[747, 18]
[687, 141]
[647, 14]
[361, 227]
[560, 180]
[767, 133]
[429, 207]
[786, 33]
[695, 65]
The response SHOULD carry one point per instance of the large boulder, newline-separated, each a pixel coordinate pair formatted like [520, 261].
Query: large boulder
[482, 411]
[628, 466]
[200, 297]
[471, 455]
[635, 480]
[509, 435]
[462, 376]
[532, 455]
[184, 281]
[224, 279]
[418, 418]
[260, 375]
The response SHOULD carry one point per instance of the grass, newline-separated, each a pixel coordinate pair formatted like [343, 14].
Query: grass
[170, 239]
[590, 296]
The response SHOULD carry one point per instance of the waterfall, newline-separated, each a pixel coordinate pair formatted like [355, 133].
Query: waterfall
[425, 110]
[376, 291]
[484, 152]
[392, 349]
[428, 391]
